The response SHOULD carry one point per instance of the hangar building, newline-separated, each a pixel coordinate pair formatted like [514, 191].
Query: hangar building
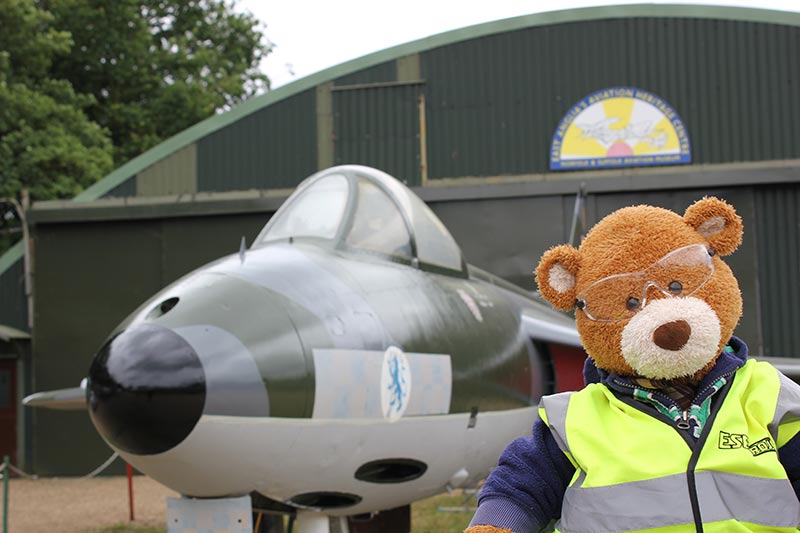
[496, 126]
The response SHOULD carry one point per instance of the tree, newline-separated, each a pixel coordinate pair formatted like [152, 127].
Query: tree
[86, 85]
[157, 67]
[47, 143]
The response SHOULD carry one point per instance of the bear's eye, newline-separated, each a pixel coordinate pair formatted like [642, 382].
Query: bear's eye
[675, 287]
[632, 304]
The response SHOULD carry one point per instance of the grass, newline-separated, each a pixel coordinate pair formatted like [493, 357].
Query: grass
[441, 514]
[128, 528]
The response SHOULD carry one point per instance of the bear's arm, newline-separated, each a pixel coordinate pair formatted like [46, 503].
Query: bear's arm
[524, 492]
[789, 455]
[788, 413]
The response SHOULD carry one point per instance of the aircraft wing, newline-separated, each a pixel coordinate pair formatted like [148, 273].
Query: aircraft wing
[72, 399]
[546, 329]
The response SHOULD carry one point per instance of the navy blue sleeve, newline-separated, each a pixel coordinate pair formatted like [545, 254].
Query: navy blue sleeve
[789, 455]
[524, 492]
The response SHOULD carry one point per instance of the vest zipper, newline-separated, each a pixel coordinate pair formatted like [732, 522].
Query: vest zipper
[696, 447]
[701, 441]
[683, 423]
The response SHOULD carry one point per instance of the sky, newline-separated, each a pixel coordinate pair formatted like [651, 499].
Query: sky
[312, 35]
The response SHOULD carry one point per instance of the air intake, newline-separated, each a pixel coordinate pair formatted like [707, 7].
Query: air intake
[391, 471]
[324, 500]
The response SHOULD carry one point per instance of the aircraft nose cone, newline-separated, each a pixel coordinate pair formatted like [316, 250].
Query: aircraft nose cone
[146, 389]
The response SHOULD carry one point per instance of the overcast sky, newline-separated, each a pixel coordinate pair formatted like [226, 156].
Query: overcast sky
[310, 36]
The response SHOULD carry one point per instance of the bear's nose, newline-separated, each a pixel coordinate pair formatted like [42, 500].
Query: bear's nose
[672, 335]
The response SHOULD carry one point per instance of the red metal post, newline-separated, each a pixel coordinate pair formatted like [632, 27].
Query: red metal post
[129, 470]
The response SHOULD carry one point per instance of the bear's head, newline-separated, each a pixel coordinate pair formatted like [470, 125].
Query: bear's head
[653, 296]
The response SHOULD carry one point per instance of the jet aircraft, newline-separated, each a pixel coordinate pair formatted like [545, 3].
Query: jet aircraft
[349, 362]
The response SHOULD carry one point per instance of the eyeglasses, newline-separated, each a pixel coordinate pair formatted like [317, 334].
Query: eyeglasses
[619, 297]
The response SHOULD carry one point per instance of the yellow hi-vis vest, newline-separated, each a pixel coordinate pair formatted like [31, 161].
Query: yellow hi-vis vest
[637, 472]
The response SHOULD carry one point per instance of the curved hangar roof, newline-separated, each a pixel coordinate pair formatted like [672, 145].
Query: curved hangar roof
[243, 111]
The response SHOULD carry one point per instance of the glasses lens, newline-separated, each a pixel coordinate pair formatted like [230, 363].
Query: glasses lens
[678, 273]
[683, 271]
[611, 298]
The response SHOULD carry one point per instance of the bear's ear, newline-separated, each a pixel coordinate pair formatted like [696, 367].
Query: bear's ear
[556, 275]
[717, 222]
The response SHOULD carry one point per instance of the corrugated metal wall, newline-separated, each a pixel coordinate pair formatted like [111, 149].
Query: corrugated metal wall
[13, 303]
[175, 174]
[126, 188]
[778, 210]
[378, 74]
[379, 126]
[494, 102]
[275, 147]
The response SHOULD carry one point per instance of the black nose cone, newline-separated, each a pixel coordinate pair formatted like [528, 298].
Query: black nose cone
[146, 390]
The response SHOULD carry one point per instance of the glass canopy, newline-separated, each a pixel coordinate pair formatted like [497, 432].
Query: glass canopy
[359, 207]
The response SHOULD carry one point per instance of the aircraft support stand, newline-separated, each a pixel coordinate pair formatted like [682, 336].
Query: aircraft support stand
[316, 522]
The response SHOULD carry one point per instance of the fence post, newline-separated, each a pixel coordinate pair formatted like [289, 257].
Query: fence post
[6, 475]
[129, 471]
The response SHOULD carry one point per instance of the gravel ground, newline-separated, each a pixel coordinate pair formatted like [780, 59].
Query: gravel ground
[72, 505]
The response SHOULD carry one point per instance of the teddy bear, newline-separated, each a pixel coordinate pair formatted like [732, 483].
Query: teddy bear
[676, 429]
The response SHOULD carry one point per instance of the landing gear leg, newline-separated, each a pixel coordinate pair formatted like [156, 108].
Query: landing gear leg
[315, 522]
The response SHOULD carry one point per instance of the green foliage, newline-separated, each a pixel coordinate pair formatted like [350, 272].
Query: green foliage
[47, 144]
[86, 85]
[157, 67]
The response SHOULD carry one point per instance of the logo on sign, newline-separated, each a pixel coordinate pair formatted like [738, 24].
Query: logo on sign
[619, 127]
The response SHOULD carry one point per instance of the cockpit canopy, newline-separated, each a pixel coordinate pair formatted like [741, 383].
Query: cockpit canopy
[361, 208]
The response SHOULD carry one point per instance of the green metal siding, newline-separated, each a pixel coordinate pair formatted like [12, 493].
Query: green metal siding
[506, 236]
[379, 126]
[408, 68]
[275, 147]
[494, 102]
[126, 188]
[176, 174]
[14, 308]
[382, 73]
[325, 141]
[778, 234]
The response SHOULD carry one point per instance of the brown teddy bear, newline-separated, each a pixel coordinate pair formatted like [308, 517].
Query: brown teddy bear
[676, 430]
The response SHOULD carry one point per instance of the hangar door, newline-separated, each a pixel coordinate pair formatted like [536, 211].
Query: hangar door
[8, 408]
[381, 125]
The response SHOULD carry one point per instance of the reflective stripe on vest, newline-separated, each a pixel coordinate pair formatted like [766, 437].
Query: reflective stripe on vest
[634, 471]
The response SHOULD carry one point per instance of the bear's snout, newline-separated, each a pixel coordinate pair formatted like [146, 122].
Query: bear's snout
[672, 335]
